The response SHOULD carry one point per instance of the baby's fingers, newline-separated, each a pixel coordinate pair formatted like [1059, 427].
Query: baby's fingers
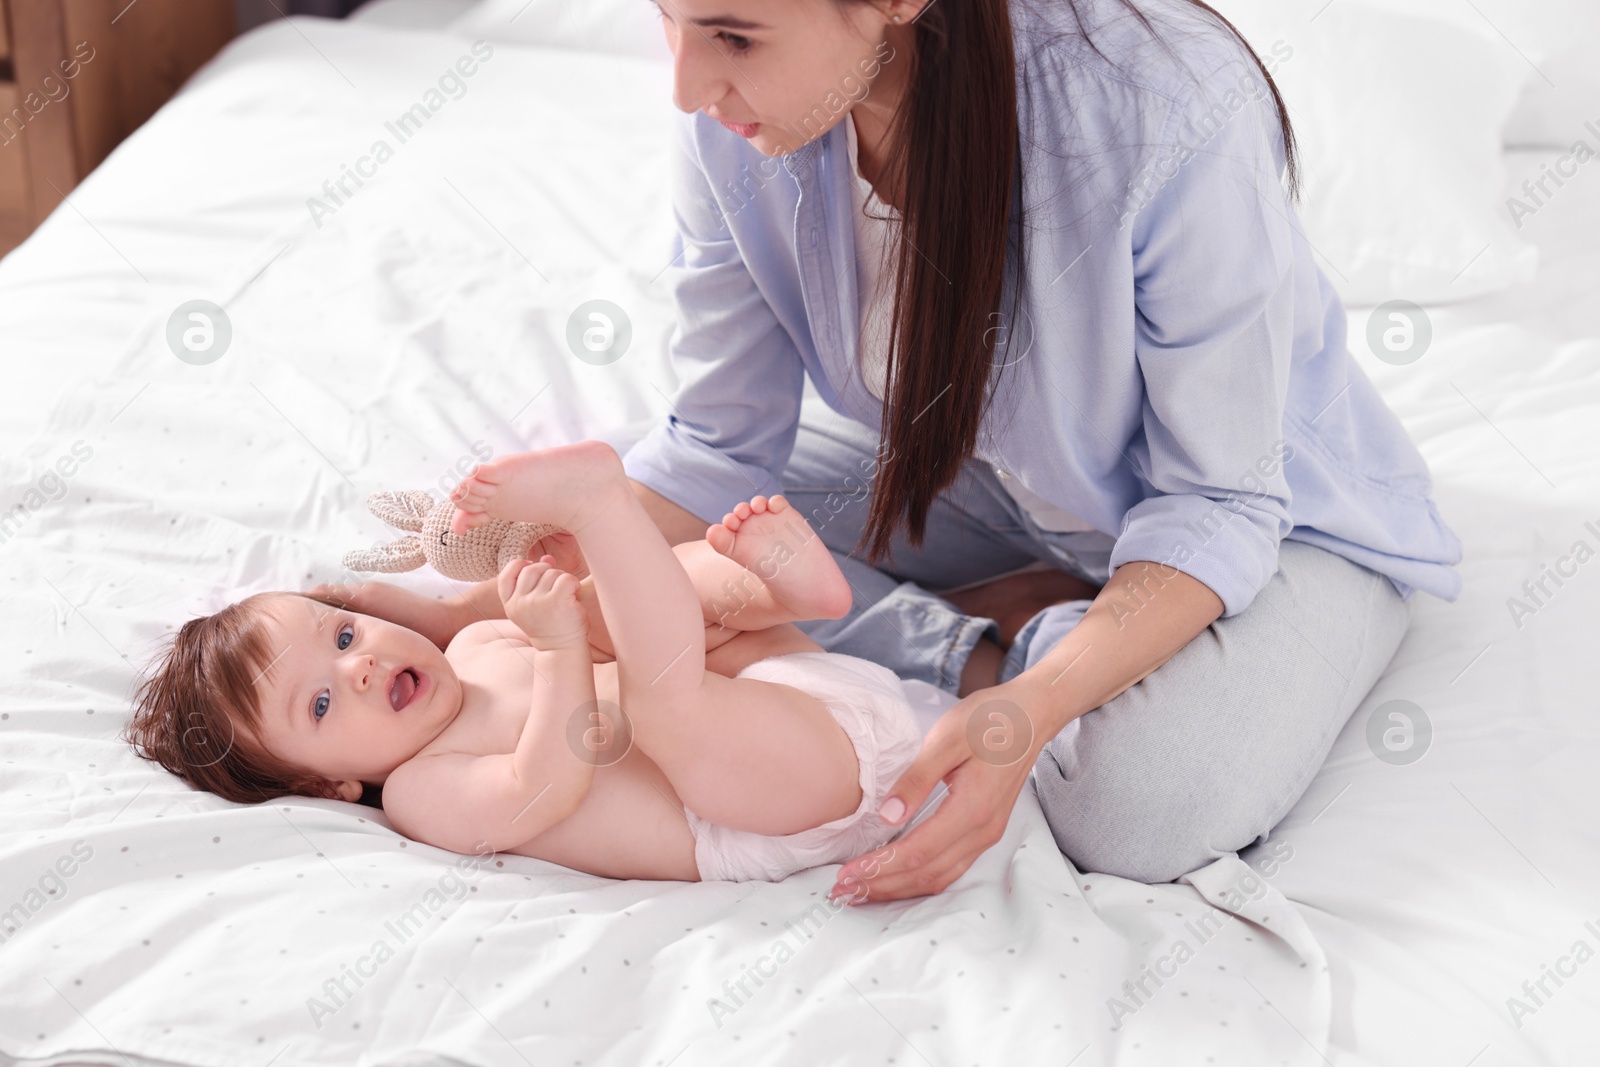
[506, 580]
[533, 577]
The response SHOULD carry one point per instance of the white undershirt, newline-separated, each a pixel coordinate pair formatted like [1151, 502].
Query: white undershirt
[875, 272]
[876, 237]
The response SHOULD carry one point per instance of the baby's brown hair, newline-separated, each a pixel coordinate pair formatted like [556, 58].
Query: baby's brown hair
[188, 712]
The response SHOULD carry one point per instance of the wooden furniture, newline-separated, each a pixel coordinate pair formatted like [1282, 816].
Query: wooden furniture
[76, 77]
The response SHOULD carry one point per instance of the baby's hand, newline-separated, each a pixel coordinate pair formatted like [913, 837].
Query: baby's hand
[542, 600]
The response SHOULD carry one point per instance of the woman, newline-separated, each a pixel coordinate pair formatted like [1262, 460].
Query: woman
[1039, 260]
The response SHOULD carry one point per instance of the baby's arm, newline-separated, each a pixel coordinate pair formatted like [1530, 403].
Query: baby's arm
[464, 803]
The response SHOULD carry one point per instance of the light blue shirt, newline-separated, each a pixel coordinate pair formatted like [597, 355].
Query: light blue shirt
[1177, 376]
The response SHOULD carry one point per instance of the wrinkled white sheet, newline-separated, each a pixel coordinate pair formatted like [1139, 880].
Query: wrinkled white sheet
[1404, 905]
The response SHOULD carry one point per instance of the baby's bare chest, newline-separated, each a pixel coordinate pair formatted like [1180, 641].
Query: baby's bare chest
[497, 687]
[630, 825]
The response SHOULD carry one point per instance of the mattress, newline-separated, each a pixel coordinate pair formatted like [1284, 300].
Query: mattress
[1425, 903]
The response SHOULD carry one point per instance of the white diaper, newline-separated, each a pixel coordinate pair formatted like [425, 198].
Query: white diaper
[867, 701]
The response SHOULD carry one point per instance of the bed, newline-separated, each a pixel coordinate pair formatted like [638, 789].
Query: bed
[1419, 893]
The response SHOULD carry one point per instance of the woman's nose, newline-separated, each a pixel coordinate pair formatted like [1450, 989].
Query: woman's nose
[695, 81]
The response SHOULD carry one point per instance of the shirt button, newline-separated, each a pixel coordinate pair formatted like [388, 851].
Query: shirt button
[1001, 474]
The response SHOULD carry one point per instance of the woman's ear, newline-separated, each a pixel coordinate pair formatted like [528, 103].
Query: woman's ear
[348, 791]
[905, 12]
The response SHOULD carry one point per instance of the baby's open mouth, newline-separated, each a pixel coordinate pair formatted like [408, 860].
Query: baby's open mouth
[403, 688]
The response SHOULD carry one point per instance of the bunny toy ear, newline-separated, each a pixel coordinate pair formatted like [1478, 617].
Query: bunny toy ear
[402, 555]
[404, 510]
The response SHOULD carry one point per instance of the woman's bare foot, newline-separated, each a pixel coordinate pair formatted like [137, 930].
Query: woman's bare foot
[562, 485]
[1015, 598]
[772, 540]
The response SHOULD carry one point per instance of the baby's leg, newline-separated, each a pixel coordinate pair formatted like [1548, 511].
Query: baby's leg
[762, 565]
[782, 571]
[749, 754]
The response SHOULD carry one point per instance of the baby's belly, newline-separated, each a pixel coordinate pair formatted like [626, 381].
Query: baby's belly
[631, 824]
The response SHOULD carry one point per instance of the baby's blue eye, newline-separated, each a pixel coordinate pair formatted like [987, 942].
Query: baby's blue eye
[344, 639]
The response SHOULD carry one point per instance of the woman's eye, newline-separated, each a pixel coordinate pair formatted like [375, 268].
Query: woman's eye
[737, 43]
[319, 706]
[344, 642]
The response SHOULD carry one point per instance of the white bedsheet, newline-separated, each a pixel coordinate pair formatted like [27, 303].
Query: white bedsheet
[429, 313]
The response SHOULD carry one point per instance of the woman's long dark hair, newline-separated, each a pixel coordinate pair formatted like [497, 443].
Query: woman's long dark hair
[958, 122]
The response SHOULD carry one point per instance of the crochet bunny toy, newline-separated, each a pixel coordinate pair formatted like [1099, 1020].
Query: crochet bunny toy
[476, 556]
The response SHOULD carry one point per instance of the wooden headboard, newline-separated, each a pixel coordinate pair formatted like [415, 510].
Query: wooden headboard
[78, 76]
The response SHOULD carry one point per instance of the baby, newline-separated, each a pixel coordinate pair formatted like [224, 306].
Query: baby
[526, 736]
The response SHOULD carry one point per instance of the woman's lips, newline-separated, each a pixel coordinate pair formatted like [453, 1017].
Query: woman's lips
[747, 129]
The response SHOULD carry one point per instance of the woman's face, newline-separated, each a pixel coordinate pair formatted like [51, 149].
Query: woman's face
[779, 72]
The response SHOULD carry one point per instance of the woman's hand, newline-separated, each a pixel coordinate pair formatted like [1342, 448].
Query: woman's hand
[983, 749]
[985, 746]
[437, 620]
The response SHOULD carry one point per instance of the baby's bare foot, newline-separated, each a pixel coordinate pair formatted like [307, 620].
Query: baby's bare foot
[563, 485]
[774, 541]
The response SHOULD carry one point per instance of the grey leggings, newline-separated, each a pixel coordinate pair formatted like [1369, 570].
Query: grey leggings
[1200, 759]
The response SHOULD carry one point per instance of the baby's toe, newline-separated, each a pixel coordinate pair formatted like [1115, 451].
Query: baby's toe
[720, 538]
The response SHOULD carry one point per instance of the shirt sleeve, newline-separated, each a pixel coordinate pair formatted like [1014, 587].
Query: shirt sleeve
[1213, 252]
[730, 428]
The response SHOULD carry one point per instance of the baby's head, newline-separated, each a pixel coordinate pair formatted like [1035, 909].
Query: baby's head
[282, 694]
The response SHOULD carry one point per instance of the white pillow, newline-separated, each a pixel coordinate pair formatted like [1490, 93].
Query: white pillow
[1558, 104]
[1399, 121]
[1555, 41]
[621, 27]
